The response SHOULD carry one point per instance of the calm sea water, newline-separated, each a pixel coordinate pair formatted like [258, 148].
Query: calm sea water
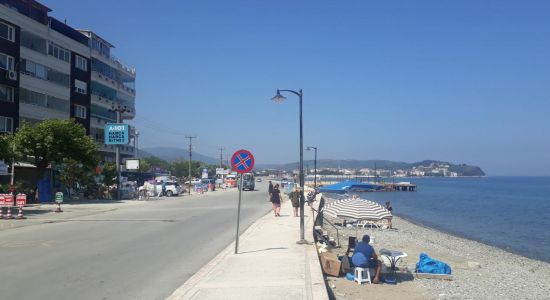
[512, 213]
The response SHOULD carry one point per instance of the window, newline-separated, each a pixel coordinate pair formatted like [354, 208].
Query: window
[6, 93]
[81, 63]
[33, 42]
[80, 111]
[40, 71]
[59, 52]
[80, 86]
[7, 32]
[32, 97]
[6, 62]
[6, 124]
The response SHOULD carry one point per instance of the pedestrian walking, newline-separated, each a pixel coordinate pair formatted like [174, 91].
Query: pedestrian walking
[295, 199]
[276, 200]
[270, 191]
[163, 188]
[390, 209]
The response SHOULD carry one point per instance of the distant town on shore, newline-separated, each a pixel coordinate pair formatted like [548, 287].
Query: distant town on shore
[383, 168]
[386, 168]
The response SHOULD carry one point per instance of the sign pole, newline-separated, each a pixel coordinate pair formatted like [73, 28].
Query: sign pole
[238, 215]
[117, 153]
[242, 162]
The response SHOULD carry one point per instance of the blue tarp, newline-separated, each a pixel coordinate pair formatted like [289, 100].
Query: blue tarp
[427, 264]
[350, 186]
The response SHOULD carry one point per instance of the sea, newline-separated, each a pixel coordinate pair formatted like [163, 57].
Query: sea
[511, 213]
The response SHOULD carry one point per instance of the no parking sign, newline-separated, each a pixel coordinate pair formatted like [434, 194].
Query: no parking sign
[242, 162]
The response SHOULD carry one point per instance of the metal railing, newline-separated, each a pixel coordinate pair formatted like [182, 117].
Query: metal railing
[330, 223]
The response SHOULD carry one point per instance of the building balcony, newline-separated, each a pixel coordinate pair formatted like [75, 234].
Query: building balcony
[114, 62]
[108, 103]
[113, 83]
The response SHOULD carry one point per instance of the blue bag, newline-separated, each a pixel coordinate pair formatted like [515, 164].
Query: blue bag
[432, 266]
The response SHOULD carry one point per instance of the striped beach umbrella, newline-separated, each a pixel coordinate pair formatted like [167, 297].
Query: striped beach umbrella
[358, 209]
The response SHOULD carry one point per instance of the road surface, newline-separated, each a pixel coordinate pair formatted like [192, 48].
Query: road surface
[137, 252]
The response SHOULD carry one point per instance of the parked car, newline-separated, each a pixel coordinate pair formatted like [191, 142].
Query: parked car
[211, 181]
[173, 188]
[193, 181]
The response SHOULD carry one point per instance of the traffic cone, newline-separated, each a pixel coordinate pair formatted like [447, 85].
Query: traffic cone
[20, 214]
[9, 216]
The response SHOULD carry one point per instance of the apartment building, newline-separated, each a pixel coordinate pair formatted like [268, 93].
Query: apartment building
[49, 70]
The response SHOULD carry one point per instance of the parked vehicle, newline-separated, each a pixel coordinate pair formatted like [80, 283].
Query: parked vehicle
[211, 181]
[193, 181]
[173, 188]
[231, 180]
[248, 182]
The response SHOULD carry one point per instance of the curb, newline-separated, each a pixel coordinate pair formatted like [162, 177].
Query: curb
[188, 285]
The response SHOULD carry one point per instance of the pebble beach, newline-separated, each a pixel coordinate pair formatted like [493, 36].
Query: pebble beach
[479, 271]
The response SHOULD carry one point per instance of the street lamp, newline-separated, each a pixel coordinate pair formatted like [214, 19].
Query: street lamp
[119, 109]
[279, 99]
[315, 166]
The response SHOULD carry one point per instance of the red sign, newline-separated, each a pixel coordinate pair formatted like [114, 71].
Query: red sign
[1, 200]
[21, 200]
[242, 161]
[7, 200]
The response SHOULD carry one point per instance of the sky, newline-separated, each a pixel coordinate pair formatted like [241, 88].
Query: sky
[459, 81]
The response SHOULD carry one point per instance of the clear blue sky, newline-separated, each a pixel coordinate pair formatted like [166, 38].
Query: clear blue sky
[462, 81]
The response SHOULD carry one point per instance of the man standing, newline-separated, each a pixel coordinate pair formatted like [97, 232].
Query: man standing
[270, 191]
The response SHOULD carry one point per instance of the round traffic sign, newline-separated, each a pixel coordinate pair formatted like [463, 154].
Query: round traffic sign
[242, 161]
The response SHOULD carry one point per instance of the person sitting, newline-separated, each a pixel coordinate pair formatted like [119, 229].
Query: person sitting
[365, 257]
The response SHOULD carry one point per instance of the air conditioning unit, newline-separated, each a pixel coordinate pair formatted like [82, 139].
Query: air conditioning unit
[10, 74]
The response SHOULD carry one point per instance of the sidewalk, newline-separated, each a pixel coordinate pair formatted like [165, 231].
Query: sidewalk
[269, 265]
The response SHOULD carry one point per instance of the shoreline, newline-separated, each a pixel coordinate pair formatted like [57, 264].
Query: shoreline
[480, 271]
[463, 236]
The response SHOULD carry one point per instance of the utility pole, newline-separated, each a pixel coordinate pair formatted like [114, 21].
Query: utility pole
[190, 156]
[136, 151]
[221, 157]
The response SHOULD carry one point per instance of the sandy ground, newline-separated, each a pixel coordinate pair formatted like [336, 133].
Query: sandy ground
[479, 271]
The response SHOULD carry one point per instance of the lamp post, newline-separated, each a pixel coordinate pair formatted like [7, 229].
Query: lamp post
[279, 99]
[119, 109]
[315, 166]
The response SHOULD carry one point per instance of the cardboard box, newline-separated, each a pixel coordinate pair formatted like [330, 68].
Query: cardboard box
[331, 264]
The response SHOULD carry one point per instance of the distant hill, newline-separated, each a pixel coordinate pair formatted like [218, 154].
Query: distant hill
[172, 154]
[463, 169]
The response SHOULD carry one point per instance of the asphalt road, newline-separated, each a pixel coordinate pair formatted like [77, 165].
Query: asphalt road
[138, 252]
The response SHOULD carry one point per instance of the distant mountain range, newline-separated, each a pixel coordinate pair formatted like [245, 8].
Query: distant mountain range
[172, 154]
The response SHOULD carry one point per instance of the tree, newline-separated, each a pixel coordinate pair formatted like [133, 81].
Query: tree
[144, 166]
[53, 141]
[6, 148]
[75, 176]
[109, 174]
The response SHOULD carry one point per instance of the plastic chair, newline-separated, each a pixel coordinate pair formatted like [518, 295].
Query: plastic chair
[359, 273]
